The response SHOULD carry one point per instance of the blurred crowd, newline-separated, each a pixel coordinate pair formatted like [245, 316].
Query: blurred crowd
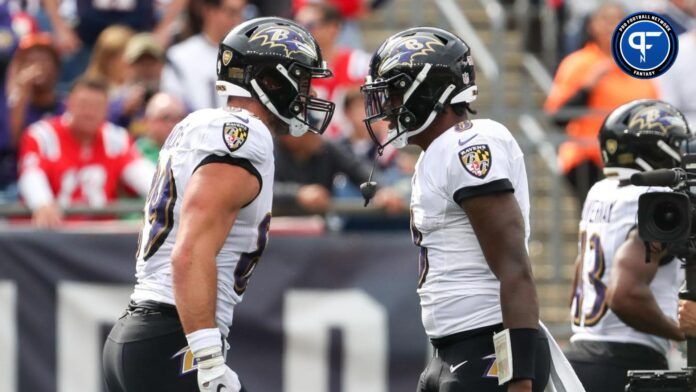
[93, 88]
[588, 84]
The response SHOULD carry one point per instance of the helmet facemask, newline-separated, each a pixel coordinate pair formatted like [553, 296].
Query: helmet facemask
[384, 103]
[393, 100]
[286, 92]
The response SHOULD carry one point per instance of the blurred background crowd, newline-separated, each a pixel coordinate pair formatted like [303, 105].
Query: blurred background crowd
[93, 87]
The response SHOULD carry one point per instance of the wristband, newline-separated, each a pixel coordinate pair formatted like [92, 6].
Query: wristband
[524, 343]
[203, 339]
[515, 351]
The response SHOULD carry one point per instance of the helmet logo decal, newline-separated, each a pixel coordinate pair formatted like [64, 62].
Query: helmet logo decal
[612, 145]
[654, 119]
[234, 134]
[405, 50]
[476, 160]
[287, 38]
[226, 57]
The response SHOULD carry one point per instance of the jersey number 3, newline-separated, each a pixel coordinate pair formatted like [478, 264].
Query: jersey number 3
[599, 306]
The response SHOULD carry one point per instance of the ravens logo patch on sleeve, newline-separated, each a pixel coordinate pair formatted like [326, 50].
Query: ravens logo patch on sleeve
[234, 134]
[476, 160]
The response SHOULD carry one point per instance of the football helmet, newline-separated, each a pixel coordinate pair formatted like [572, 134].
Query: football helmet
[274, 60]
[413, 75]
[644, 135]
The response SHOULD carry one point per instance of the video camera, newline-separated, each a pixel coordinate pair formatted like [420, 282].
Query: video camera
[668, 218]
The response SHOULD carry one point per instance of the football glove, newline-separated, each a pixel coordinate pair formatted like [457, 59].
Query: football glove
[213, 374]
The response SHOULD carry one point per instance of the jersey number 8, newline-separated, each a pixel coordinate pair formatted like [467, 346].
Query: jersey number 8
[599, 306]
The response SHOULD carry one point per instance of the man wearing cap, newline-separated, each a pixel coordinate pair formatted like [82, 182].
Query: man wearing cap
[144, 58]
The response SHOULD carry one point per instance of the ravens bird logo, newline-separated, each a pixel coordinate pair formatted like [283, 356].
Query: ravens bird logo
[654, 120]
[286, 39]
[406, 50]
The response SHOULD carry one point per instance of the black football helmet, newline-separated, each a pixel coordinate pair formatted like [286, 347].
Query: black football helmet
[274, 60]
[644, 135]
[412, 76]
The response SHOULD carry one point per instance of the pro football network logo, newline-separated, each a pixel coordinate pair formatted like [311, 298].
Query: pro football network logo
[234, 134]
[644, 45]
[476, 160]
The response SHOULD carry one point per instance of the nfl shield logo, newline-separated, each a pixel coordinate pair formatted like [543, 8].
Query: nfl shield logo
[234, 135]
[476, 160]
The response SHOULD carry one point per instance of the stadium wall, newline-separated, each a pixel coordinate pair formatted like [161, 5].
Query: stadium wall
[322, 313]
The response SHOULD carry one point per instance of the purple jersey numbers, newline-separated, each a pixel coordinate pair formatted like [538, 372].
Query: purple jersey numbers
[160, 209]
[599, 307]
[247, 261]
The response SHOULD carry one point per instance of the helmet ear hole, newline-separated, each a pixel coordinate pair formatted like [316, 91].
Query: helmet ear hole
[402, 83]
[407, 120]
[296, 108]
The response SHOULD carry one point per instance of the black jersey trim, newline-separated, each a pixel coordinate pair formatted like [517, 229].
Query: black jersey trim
[234, 161]
[497, 186]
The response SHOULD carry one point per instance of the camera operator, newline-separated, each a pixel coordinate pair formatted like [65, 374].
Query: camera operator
[624, 309]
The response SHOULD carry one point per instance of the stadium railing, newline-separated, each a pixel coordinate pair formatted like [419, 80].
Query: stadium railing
[352, 207]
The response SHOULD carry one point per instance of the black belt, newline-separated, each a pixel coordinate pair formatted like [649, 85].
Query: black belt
[458, 337]
[152, 308]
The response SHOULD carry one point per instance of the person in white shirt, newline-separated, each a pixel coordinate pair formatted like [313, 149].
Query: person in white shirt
[189, 73]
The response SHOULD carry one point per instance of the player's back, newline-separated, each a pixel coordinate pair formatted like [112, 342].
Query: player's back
[231, 136]
[610, 212]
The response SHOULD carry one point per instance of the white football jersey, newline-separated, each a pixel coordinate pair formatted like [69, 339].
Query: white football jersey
[609, 214]
[209, 135]
[457, 289]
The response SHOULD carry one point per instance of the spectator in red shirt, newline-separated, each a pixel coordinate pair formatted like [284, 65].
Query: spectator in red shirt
[349, 66]
[78, 157]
